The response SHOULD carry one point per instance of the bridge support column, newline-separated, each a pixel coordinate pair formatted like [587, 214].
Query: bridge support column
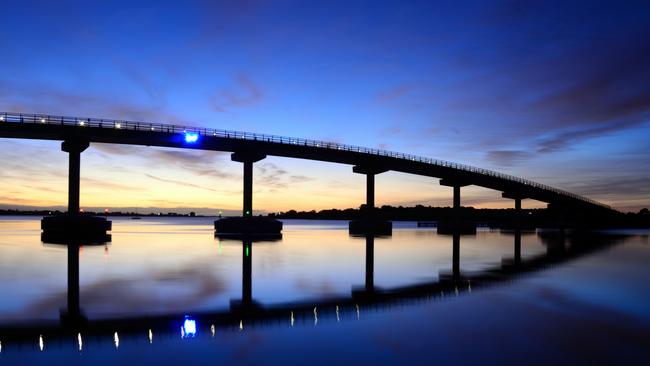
[369, 223]
[518, 220]
[457, 222]
[60, 229]
[370, 193]
[456, 197]
[247, 224]
[248, 189]
[518, 204]
[456, 184]
[74, 150]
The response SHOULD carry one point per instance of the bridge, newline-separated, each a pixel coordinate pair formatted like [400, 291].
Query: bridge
[77, 133]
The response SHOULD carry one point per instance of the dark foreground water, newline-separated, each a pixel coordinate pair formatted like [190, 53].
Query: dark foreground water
[165, 291]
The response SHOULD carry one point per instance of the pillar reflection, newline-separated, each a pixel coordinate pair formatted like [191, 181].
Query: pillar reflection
[517, 247]
[247, 272]
[247, 302]
[73, 309]
[456, 256]
[72, 314]
[370, 263]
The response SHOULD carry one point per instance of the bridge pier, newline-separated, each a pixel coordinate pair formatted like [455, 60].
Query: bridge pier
[74, 225]
[74, 150]
[456, 203]
[247, 224]
[517, 197]
[457, 223]
[369, 223]
[518, 220]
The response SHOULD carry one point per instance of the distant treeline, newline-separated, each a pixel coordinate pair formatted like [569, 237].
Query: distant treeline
[429, 213]
[6, 212]
[415, 213]
[601, 218]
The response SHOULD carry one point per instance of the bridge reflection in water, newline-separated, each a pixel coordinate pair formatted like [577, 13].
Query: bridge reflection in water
[246, 312]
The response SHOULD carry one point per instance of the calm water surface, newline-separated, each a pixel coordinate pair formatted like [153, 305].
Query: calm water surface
[590, 308]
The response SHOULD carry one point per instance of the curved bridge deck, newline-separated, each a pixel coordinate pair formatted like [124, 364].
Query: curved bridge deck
[47, 127]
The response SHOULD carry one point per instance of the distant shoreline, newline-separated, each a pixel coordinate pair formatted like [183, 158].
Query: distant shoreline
[537, 216]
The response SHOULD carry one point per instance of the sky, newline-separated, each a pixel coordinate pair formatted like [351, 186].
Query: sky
[554, 91]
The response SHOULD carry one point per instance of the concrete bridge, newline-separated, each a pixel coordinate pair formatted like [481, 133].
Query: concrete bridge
[77, 133]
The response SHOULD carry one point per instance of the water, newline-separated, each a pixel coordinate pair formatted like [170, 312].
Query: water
[317, 298]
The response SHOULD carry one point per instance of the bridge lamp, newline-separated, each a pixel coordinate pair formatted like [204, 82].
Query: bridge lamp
[189, 327]
[82, 123]
[42, 120]
[191, 137]
[118, 125]
[2, 118]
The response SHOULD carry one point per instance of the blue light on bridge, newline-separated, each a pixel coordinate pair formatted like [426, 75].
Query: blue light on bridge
[191, 137]
[189, 327]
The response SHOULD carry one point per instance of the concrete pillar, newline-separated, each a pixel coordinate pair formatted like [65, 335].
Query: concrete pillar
[518, 204]
[73, 280]
[370, 191]
[456, 257]
[247, 158]
[74, 148]
[456, 196]
[370, 262]
[247, 272]
[370, 172]
[248, 189]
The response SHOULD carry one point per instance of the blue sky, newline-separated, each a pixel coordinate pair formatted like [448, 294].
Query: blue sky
[554, 91]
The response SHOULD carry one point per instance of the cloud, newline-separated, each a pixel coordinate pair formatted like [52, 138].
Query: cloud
[299, 179]
[106, 184]
[387, 96]
[271, 176]
[507, 157]
[42, 98]
[639, 187]
[198, 281]
[550, 83]
[180, 183]
[244, 94]
[202, 163]
[565, 139]
[152, 88]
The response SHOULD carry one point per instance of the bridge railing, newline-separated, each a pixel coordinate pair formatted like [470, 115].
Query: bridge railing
[175, 129]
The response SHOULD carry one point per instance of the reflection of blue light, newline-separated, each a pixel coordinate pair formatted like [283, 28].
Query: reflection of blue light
[189, 326]
[191, 137]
